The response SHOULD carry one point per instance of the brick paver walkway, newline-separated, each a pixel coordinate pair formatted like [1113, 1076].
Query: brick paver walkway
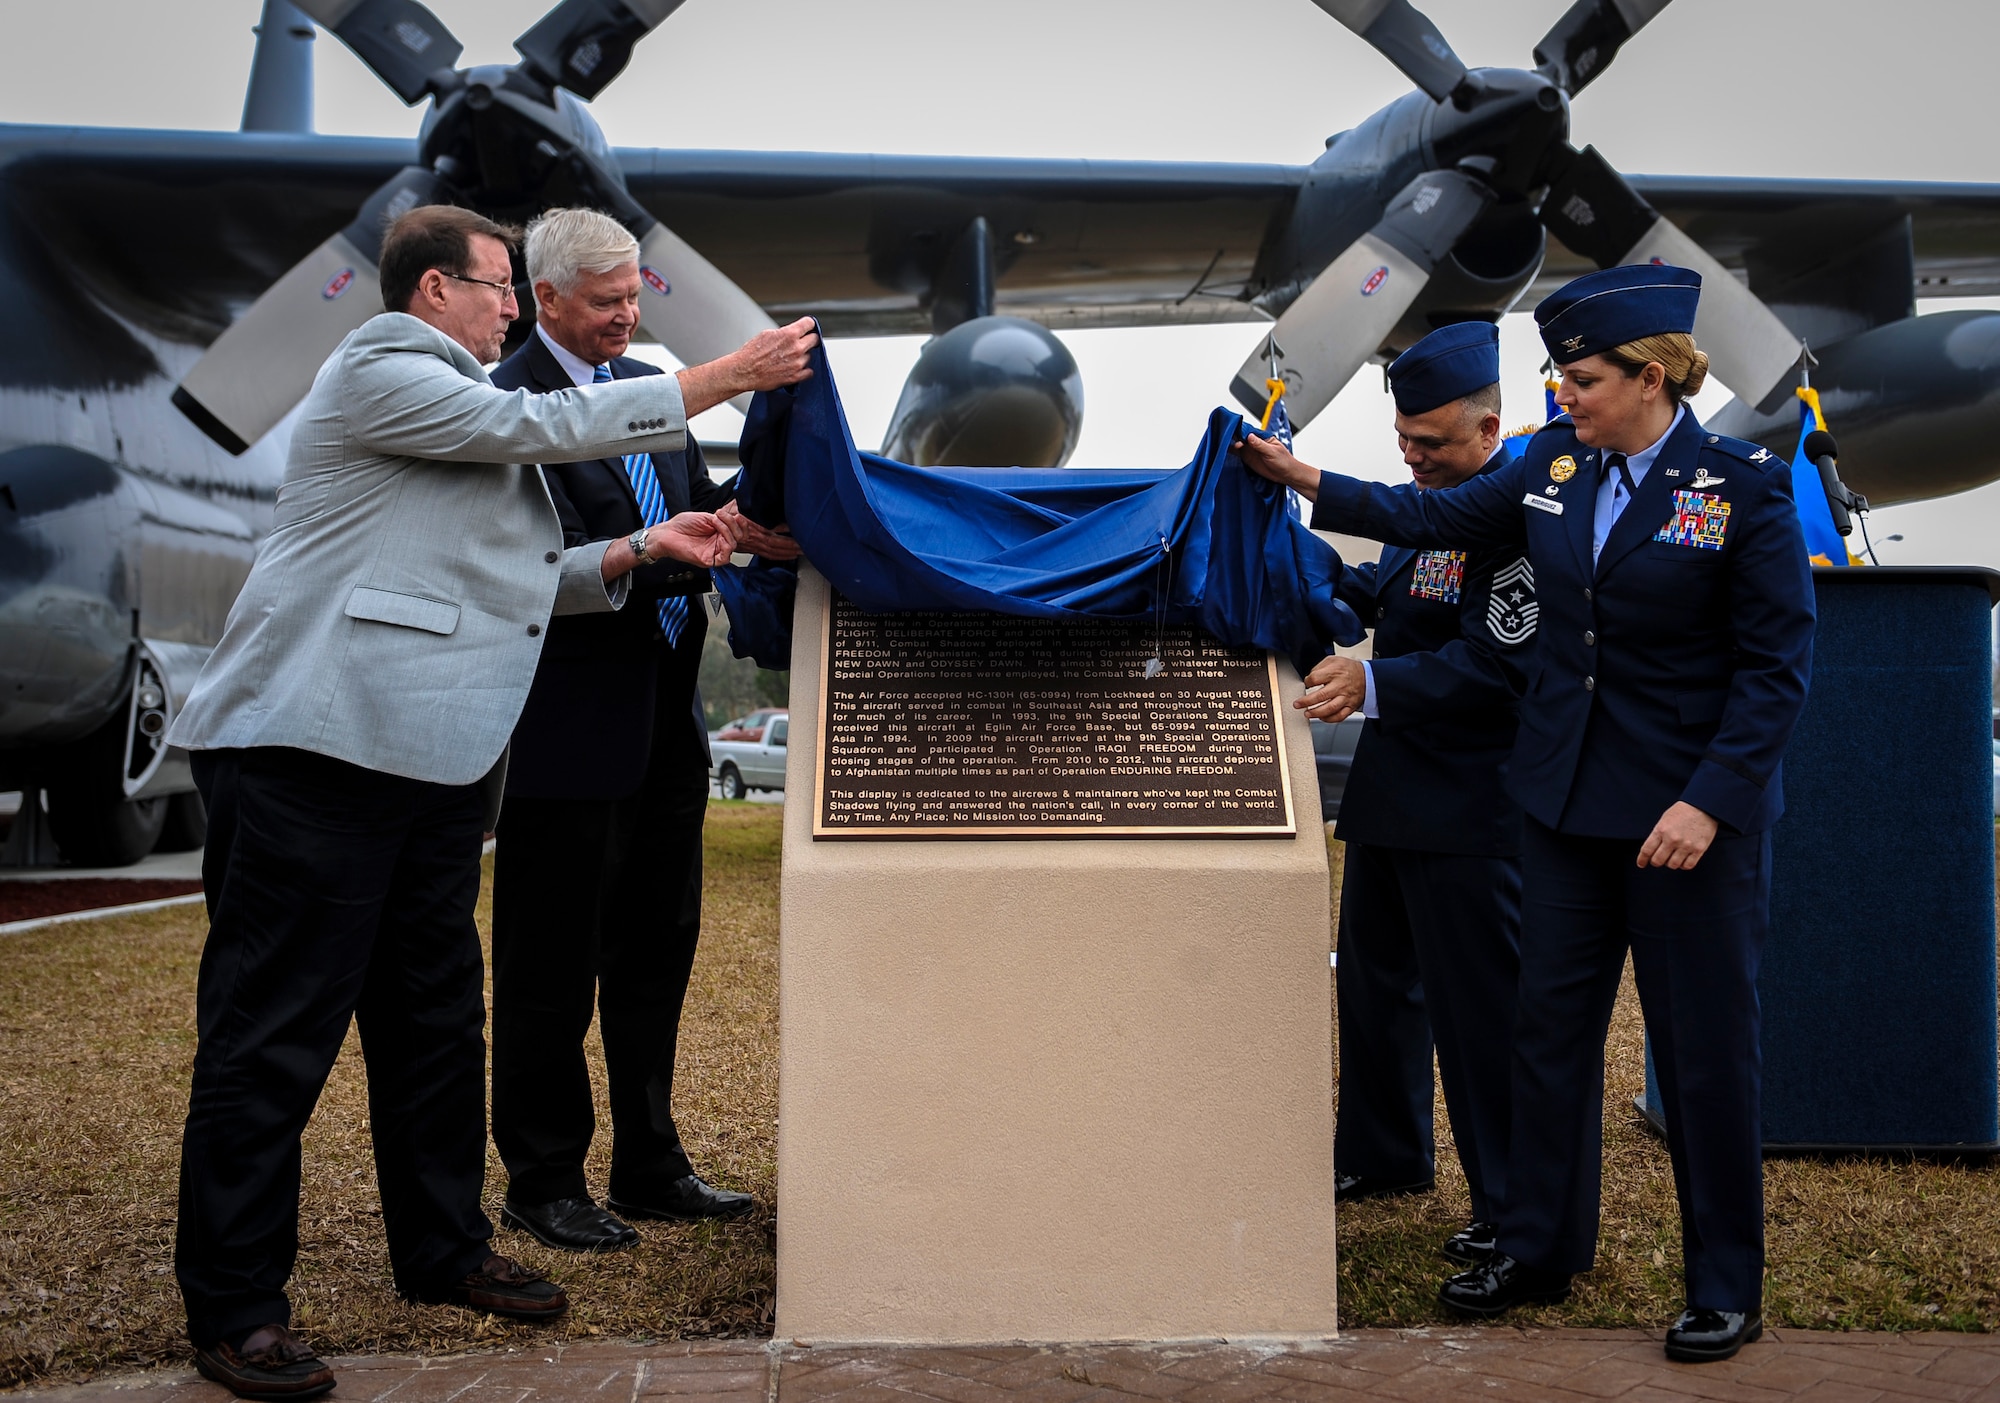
[1406, 1366]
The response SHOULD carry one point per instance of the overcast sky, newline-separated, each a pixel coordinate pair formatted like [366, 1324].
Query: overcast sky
[1722, 87]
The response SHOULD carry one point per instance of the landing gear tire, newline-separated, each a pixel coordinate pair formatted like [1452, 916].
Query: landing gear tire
[732, 783]
[97, 832]
[186, 827]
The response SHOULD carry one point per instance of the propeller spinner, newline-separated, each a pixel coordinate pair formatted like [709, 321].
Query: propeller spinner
[504, 140]
[1513, 124]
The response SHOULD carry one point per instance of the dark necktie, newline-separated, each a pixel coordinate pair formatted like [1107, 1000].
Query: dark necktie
[1624, 487]
[653, 512]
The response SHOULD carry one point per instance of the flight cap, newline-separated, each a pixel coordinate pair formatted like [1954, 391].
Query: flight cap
[1449, 364]
[1606, 309]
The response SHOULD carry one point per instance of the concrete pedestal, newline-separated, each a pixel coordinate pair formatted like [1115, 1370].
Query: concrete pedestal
[1051, 1089]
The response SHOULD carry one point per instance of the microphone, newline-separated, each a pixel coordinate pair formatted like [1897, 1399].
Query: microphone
[1824, 454]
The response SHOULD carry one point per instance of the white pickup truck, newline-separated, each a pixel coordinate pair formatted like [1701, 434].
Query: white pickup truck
[749, 753]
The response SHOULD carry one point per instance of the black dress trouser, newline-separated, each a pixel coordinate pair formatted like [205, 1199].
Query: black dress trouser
[597, 905]
[1697, 941]
[1428, 951]
[334, 892]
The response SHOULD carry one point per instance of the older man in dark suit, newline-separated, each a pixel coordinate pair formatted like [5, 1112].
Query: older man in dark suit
[606, 792]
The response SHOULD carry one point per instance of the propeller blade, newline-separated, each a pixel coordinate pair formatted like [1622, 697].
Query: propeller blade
[1587, 36]
[401, 42]
[1596, 212]
[689, 305]
[265, 362]
[1342, 319]
[1403, 35]
[583, 44]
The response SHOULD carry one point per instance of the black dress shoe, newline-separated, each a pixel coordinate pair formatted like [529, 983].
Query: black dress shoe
[1702, 1336]
[571, 1225]
[271, 1363]
[1349, 1187]
[1500, 1284]
[503, 1286]
[1470, 1246]
[686, 1198]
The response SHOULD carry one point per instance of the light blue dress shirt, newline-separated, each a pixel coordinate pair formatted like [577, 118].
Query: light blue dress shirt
[1611, 494]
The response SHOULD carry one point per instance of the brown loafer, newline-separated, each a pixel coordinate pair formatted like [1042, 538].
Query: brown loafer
[273, 1363]
[502, 1286]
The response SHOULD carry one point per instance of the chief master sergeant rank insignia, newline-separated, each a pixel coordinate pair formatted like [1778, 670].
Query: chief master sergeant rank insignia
[1511, 607]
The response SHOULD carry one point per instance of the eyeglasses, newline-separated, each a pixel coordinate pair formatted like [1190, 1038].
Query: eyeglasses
[505, 290]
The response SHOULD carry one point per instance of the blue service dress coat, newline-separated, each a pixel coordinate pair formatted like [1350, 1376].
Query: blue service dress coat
[1673, 668]
[1454, 635]
[1430, 894]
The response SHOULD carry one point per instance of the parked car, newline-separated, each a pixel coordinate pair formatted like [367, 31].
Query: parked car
[750, 753]
[747, 727]
[1333, 755]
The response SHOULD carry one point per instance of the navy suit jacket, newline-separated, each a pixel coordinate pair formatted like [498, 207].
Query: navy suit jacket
[587, 729]
[1450, 664]
[1675, 669]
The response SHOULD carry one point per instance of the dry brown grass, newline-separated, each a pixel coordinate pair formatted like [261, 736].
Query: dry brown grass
[96, 1042]
[96, 1037]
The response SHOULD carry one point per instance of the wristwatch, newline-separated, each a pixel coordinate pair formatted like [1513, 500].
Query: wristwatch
[637, 541]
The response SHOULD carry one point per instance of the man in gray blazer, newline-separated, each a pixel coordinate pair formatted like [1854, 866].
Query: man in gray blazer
[349, 738]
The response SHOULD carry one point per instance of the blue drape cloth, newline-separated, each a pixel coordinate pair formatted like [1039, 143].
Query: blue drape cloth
[1213, 540]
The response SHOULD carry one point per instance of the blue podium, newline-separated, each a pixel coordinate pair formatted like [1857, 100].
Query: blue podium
[1881, 1019]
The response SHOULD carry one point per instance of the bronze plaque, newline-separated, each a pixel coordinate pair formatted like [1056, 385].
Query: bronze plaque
[991, 726]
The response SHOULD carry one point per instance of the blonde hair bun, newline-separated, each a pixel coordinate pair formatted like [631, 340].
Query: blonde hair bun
[1697, 374]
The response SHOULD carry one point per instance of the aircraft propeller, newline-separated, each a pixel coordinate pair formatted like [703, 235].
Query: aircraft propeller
[501, 139]
[1517, 120]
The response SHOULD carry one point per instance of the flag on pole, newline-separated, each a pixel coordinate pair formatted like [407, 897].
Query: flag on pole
[1549, 387]
[1824, 545]
[1280, 424]
[1275, 419]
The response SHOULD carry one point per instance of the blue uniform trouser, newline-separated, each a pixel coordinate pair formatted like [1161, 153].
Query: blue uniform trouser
[1696, 939]
[1427, 951]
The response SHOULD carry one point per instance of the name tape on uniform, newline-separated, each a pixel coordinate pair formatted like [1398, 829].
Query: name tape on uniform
[1542, 504]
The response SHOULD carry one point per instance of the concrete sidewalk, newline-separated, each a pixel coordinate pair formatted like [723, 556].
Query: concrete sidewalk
[1408, 1366]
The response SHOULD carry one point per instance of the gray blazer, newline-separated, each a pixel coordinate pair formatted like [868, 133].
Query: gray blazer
[396, 611]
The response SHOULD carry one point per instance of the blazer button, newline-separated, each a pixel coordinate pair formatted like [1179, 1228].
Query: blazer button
[534, 630]
[1586, 592]
[1590, 684]
[633, 427]
[552, 557]
[1589, 639]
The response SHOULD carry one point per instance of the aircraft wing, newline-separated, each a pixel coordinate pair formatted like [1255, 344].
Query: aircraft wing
[1781, 231]
[854, 239]
[1158, 243]
[179, 231]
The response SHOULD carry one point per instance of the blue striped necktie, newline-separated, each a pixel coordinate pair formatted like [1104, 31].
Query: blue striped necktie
[653, 512]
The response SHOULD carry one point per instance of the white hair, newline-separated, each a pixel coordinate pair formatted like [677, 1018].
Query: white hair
[565, 244]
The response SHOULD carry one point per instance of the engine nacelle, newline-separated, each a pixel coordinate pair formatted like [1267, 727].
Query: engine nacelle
[993, 392]
[1481, 278]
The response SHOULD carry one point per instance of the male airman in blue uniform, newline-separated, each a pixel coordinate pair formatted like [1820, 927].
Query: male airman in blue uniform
[1430, 900]
[1675, 642]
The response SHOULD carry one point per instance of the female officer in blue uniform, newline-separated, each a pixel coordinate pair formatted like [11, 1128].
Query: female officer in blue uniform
[1675, 640]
